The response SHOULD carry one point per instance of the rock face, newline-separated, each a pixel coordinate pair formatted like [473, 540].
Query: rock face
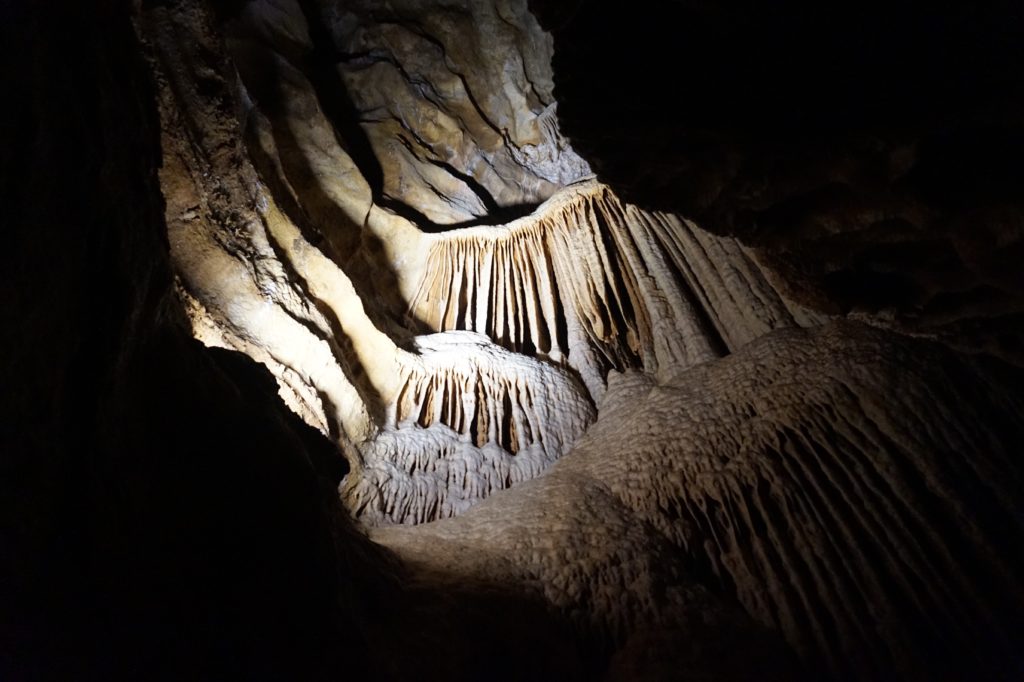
[501, 423]
[447, 110]
[796, 476]
[582, 285]
[456, 104]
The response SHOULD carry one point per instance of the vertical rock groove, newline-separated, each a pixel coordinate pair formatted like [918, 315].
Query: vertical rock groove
[632, 289]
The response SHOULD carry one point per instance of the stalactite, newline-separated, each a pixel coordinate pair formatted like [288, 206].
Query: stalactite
[469, 419]
[842, 486]
[598, 285]
[292, 264]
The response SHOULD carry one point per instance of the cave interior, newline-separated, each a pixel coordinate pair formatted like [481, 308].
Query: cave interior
[512, 339]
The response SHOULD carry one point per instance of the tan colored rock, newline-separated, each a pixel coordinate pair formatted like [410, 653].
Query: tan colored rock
[598, 284]
[608, 412]
[741, 481]
[583, 285]
[798, 474]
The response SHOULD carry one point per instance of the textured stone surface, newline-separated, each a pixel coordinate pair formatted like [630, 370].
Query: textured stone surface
[598, 284]
[447, 109]
[701, 478]
[813, 476]
[280, 243]
[645, 460]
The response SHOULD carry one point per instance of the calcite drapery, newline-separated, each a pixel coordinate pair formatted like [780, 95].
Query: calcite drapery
[287, 251]
[433, 356]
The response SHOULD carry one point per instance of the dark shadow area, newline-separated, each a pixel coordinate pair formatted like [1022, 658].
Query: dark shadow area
[321, 68]
[259, 72]
[798, 127]
[258, 385]
[162, 516]
[499, 216]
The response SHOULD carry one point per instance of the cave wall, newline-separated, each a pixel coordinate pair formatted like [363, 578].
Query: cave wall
[288, 248]
[161, 518]
[840, 501]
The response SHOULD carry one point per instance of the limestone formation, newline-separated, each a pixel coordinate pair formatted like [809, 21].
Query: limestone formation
[799, 477]
[600, 285]
[469, 419]
[582, 285]
[343, 189]
[409, 393]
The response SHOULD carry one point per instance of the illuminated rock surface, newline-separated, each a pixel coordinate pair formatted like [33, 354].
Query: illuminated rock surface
[533, 431]
[581, 286]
